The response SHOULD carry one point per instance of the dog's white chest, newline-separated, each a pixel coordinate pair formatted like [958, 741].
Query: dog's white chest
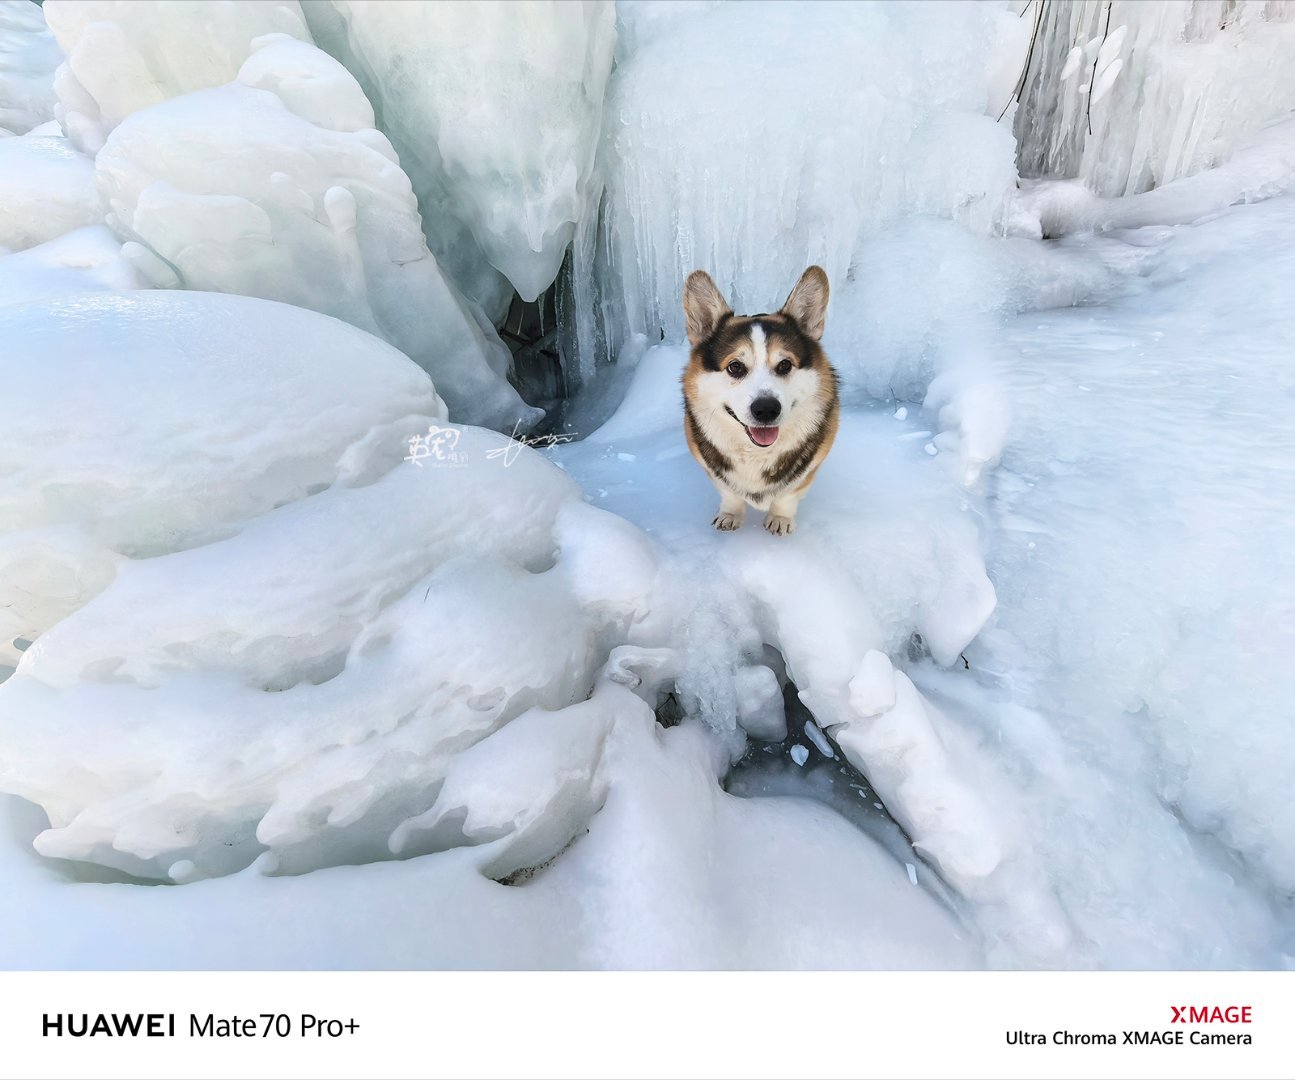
[747, 479]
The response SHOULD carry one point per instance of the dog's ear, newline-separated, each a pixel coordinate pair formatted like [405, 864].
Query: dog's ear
[807, 303]
[703, 305]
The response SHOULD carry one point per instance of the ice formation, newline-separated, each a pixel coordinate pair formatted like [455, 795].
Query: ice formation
[495, 110]
[1128, 96]
[124, 55]
[28, 56]
[292, 195]
[281, 628]
[908, 93]
[1261, 168]
[347, 589]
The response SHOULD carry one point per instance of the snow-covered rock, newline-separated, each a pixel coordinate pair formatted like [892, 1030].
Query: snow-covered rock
[312, 774]
[28, 57]
[495, 109]
[124, 55]
[312, 675]
[140, 423]
[88, 259]
[291, 195]
[46, 189]
[530, 787]
[310, 574]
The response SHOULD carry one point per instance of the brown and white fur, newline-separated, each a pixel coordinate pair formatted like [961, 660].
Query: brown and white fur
[760, 399]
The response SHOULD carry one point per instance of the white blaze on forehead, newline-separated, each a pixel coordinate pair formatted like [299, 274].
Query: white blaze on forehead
[760, 345]
[761, 383]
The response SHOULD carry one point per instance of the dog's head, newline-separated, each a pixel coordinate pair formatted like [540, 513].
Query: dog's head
[767, 372]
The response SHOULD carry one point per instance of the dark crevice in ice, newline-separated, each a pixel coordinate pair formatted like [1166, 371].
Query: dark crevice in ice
[767, 769]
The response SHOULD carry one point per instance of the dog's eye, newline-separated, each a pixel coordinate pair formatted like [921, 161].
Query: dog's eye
[736, 368]
[784, 367]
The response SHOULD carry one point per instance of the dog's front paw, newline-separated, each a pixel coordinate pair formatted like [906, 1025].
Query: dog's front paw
[779, 525]
[727, 522]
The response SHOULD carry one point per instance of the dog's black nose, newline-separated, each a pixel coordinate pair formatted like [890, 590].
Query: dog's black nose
[765, 410]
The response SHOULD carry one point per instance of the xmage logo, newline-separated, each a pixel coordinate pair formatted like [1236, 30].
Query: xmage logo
[1211, 1014]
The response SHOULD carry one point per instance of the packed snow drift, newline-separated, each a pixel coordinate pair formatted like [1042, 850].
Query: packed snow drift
[294, 621]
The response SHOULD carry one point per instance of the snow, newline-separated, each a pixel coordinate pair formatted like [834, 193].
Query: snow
[293, 196]
[1175, 592]
[872, 690]
[46, 190]
[88, 259]
[632, 893]
[178, 423]
[495, 110]
[760, 709]
[302, 624]
[287, 628]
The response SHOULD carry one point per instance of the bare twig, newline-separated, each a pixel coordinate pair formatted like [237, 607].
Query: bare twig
[1096, 56]
[1025, 70]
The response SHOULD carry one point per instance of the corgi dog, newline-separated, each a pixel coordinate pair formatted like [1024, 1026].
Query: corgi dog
[761, 408]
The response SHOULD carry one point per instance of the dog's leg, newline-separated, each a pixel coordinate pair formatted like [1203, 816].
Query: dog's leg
[781, 518]
[732, 511]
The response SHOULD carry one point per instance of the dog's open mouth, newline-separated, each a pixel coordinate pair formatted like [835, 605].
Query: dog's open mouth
[761, 436]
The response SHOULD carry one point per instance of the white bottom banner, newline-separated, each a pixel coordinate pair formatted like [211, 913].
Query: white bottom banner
[567, 1024]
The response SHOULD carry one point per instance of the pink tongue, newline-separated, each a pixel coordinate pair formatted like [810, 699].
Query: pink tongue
[764, 436]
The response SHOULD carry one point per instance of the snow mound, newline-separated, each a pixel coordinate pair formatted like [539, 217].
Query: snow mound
[88, 259]
[495, 109]
[46, 189]
[124, 55]
[140, 423]
[904, 101]
[676, 873]
[292, 196]
[283, 597]
[886, 561]
[670, 873]
[309, 678]
[536, 783]
[923, 294]
[28, 57]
